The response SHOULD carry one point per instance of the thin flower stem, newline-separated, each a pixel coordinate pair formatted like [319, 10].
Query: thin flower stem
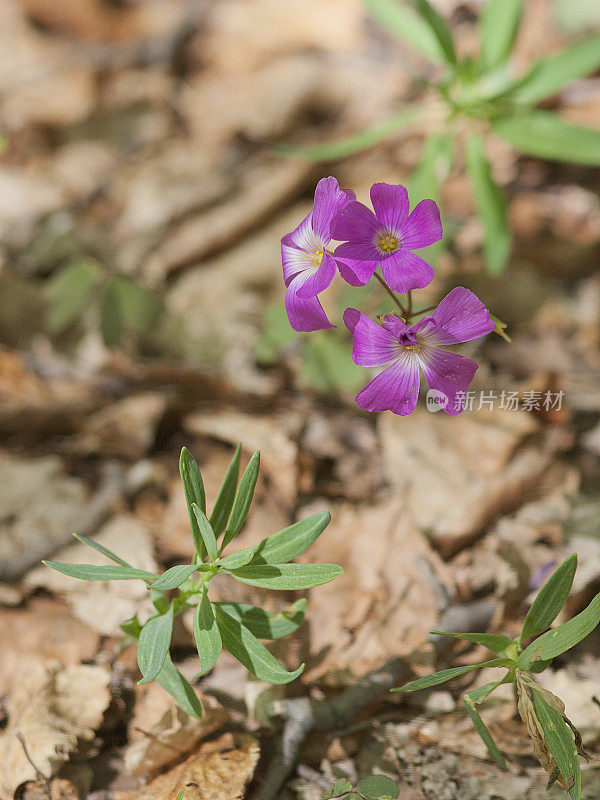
[409, 309]
[422, 311]
[392, 294]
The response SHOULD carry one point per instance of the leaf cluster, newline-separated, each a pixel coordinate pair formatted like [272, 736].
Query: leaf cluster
[559, 737]
[486, 93]
[237, 627]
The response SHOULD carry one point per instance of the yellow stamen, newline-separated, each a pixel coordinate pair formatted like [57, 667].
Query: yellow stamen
[387, 242]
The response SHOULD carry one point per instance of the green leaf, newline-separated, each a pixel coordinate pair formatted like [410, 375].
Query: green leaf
[93, 572]
[244, 646]
[286, 576]
[282, 546]
[498, 28]
[153, 645]
[491, 205]
[351, 144]
[277, 335]
[560, 741]
[495, 642]
[159, 600]
[440, 28]
[262, 623]
[131, 627]
[470, 700]
[550, 75]
[401, 20]
[174, 577]
[447, 674]
[224, 501]
[180, 795]
[435, 163]
[546, 135]
[557, 641]
[206, 532]
[550, 599]
[178, 687]
[101, 549]
[69, 292]
[111, 316]
[242, 501]
[193, 487]
[340, 787]
[206, 634]
[139, 307]
[378, 787]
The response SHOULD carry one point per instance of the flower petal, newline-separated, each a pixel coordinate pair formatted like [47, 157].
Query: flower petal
[449, 373]
[329, 201]
[315, 282]
[391, 205]
[423, 227]
[372, 345]
[356, 262]
[404, 271]
[461, 317]
[293, 259]
[395, 389]
[304, 314]
[355, 223]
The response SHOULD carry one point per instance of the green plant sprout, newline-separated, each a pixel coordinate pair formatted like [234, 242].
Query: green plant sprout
[235, 626]
[375, 787]
[476, 97]
[557, 743]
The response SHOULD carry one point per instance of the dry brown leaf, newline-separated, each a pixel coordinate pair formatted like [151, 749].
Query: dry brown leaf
[160, 732]
[45, 629]
[397, 585]
[60, 789]
[103, 604]
[220, 770]
[461, 473]
[52, 707]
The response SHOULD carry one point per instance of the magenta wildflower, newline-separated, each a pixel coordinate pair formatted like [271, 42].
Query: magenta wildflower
[307, 266]
[387, 237]
[459, 317]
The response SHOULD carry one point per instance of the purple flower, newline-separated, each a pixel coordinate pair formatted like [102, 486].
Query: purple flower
[307, 267]
[387, 237]
[459, 317]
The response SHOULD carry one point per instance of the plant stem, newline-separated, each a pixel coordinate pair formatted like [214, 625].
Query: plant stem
[392, 294]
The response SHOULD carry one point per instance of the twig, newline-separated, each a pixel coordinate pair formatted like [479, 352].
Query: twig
[39, 775]
[300, 716]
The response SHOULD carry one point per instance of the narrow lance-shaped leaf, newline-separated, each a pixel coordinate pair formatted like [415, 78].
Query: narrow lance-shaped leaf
[499, 25]
[435, 163]
[447, 674]
[550, 75]
[174, 577]
[193, 487]
[153, 645]
[282, 546]
[559, 739]
[550, 599]
[178, 687]
[262, 623]
[491, 206]
[286, 577]
[557, 641]
[224, 501]
[101, 549]
[94, 572]
[206, 532]
[495, 642]
[243, 499]
[351, 144]
[244, 646]
[440, 28]
[546, 135]
[470, 700]
[402, 21]
[206, 635]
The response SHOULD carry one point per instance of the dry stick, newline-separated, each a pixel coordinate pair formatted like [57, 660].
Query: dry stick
[301, 716]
